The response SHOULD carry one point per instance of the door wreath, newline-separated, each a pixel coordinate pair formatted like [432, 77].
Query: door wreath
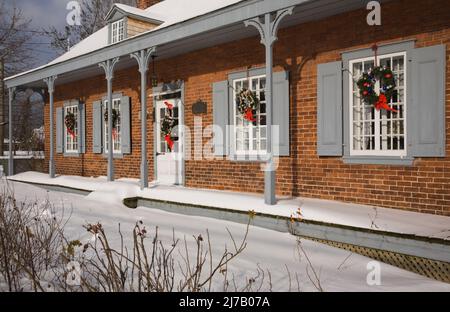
[167, 126]
[366, 85]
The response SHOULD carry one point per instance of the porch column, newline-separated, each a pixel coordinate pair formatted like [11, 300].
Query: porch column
[10, 128]
[268, 28]
[108, 67]
[50, 81]
[143, 58]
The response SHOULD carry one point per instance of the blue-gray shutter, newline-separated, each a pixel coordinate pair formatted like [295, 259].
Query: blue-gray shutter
[427, 107]
[82, 127]
[329, 109]
[125, 122]
[97, 127]
[59, 130]
[220, 117]
[280, 110]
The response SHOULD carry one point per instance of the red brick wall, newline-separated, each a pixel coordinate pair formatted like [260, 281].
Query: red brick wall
[424, 187]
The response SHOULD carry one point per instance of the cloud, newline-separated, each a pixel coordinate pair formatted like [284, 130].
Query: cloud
[44, 13]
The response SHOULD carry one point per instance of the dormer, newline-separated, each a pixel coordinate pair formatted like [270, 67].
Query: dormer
[125, 21]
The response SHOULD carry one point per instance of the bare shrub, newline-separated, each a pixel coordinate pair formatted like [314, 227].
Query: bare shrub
[36, 255]
[30, 241]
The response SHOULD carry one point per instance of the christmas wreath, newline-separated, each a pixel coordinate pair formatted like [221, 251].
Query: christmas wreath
[247, 102]
[167, 125]
[366, 85]
[115, 120]
[70, 123]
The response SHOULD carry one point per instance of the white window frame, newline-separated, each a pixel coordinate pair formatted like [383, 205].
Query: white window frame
[118, 31]
[377, 151]
[251, 151]
[68, 140]
[117, 143]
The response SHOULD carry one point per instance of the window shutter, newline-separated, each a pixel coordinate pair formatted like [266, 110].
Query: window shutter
[97, 121]
[82, 127]
[329, 109]
[427, 108]
[281, 110]
[125, 122]
[220, 117]
[59, 130]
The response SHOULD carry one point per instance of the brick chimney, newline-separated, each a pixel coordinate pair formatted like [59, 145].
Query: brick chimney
[143, 4]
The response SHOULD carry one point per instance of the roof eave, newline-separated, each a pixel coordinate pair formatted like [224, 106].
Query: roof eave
[223, 17]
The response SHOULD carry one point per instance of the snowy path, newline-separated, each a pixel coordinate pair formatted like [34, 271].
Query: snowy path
[339, 270]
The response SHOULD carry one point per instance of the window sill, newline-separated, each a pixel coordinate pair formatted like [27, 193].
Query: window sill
[72, 154]
[261, 158]
[115, 155]
[378, 160]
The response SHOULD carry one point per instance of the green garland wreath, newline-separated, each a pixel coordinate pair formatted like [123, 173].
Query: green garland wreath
[167, 125]
[115, 117]
[70, 122]
[247, 101]
[366, 84]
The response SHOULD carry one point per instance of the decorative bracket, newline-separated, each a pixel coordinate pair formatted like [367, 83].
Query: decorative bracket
[12, 93]
[268, 26]
[108, 67]
[143, 58]
[50, 81]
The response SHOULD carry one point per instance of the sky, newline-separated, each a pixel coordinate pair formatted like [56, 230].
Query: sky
[43, 14]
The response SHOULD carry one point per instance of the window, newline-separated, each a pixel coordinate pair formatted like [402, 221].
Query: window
[250, 137]
[378, 132]
[117, 135]
[117, 31]
[71, 136]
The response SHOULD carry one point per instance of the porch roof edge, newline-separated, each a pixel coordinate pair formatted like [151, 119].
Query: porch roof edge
[232, 14]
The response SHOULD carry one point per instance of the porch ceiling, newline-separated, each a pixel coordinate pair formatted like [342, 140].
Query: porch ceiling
[305, 11]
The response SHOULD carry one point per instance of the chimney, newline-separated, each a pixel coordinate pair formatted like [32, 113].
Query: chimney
[143, 4]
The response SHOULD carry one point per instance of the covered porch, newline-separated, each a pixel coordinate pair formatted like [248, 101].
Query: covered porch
[222, 26]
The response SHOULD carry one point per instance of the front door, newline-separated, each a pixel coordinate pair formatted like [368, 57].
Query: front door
[168, 145]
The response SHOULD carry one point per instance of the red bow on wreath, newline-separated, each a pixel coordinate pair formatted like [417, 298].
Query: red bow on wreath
[382, 103]
[249, 115]
[72, 134]
[169, 141]
[169, 106]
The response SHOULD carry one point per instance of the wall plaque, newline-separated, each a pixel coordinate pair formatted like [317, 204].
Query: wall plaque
[199, 107]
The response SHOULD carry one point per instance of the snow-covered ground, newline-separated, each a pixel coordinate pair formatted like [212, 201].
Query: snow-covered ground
[360, 216]
[338, 270]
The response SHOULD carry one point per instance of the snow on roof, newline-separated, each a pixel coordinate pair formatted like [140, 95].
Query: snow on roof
[176, 11]
[170, 12]
[94, 42]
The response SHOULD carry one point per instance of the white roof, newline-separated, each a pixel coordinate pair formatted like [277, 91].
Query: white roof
[170, 12]
[176, 11]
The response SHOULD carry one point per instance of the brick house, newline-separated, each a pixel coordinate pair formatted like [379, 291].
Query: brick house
[194, 57]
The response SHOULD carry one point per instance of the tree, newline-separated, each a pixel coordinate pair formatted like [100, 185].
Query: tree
[93, 19]
[15, 56]
[14, 34]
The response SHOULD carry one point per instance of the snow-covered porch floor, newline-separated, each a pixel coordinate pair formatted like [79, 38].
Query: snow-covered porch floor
[328, 212]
